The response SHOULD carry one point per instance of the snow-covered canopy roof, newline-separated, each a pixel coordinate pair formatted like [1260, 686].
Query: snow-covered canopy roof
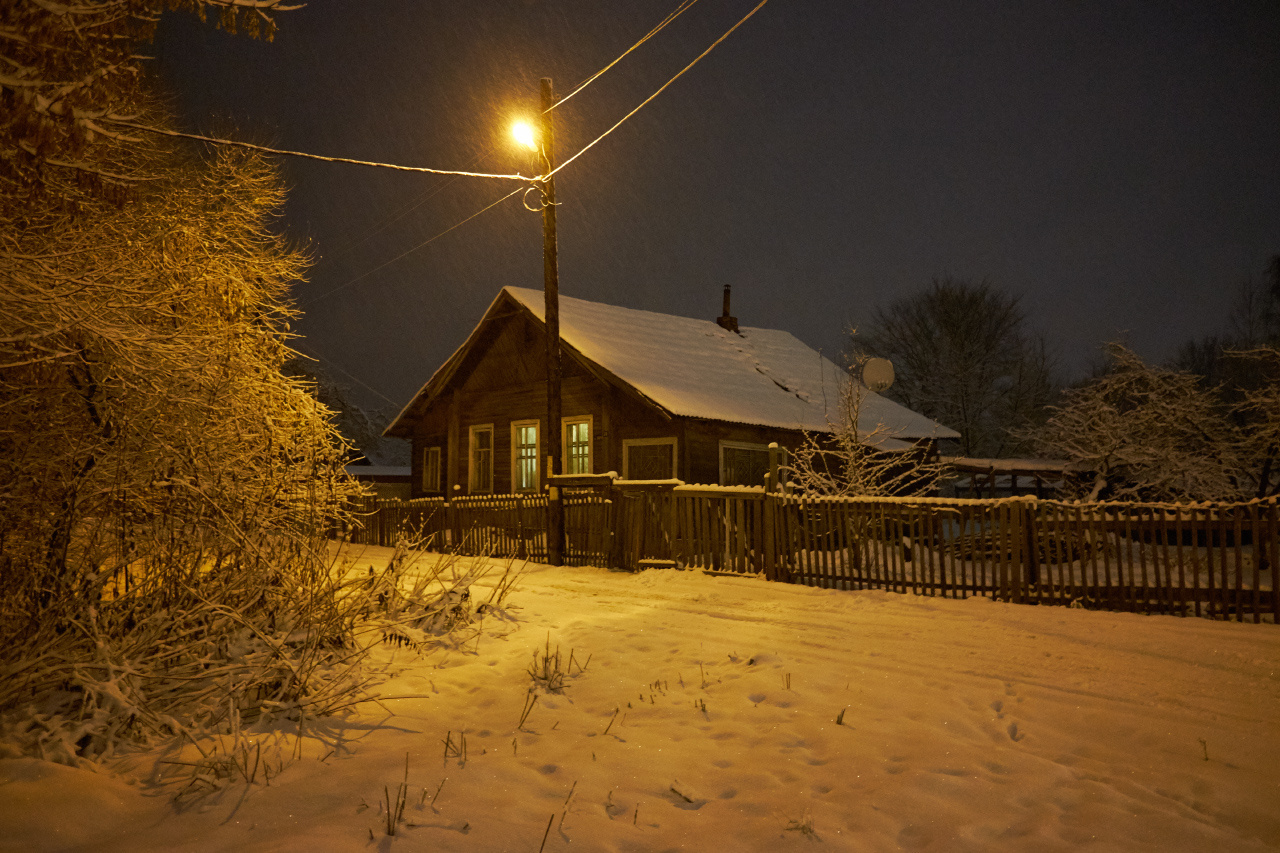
[696, 368]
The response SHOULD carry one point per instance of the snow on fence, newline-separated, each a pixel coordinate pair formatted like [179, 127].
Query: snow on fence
[1215, 560]
[487, 525]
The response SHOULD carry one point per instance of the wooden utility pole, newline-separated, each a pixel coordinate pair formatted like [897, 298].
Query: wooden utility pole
[551, 293]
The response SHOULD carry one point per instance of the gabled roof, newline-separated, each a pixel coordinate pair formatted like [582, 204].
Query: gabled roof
[695, 368]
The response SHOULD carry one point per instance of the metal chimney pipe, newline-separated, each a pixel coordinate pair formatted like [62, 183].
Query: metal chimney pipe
[725, 320]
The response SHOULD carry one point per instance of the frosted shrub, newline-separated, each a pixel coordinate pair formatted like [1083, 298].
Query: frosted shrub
[166, 490]
[852, 461]
[1148, 433]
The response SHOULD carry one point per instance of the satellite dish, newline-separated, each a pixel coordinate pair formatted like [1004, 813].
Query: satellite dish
[877, 374]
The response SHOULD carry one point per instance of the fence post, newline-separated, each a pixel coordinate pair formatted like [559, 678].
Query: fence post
[770, 535]
[669, 521]
[1031, 544]
[617, 536]
[1270, 535]
[522, 550]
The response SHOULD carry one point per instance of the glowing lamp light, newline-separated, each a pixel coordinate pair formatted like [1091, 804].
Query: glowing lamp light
[524, 134]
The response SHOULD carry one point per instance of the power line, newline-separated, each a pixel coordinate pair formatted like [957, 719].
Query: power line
[405, 209]
[684, 5]
[393, 217]
[466, 174]
[411, 206]
[307, 351]
[657, 93]
[329, 293]
[653, 32]
[347, 160]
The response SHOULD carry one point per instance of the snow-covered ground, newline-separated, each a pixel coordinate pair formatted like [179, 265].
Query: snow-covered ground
[722, 713]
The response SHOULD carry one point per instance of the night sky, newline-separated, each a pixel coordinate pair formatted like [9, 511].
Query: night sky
[1116, 164]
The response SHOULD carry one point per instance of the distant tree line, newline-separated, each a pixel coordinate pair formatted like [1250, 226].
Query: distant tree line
[1204, 427]
[963, 356]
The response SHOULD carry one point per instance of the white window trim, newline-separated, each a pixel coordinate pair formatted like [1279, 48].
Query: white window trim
[591, 439]
[537, 455]
[738, 445]
[471, 457]
[428, 469]
[640, 442]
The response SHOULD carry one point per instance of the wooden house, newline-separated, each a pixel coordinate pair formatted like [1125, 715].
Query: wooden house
[649, 396]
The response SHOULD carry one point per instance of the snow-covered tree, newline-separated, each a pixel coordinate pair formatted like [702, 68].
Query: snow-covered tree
[67, 69]
[860, 457]
[964, 357]
[1253, 321]
[1149, 433]
[164, 488]
[1259, 412]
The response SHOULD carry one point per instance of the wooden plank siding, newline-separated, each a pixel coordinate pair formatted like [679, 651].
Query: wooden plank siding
[501, 379]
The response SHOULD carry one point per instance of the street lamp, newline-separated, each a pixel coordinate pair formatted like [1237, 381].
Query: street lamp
[543, 140]
[525, 135]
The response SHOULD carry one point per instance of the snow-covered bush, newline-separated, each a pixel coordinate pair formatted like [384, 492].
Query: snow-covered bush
[1148, 433]
[167, 489]
[164, 488]
[864, 462]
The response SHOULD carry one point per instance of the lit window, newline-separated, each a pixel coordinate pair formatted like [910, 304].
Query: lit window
[524, 456]
[480, 479]
[577, 445]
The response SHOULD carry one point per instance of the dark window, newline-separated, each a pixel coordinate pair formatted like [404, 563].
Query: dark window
[743, 466]
[651, 461]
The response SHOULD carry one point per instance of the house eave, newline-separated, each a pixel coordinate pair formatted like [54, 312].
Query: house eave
[401, 426]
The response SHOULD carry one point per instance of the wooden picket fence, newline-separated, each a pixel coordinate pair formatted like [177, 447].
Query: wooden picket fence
[489, 525]
[1214, 560]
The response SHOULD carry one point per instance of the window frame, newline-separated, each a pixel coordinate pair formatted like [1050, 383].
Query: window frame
[741, 445]
[431, 479]
[537, 456]
[589, 420]
[628, 443]
[472, 431]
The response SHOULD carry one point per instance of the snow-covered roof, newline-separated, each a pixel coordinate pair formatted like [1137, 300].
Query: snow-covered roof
[698, 369]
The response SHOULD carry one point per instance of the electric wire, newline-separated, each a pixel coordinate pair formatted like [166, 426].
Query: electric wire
[663, 88]
[346, 160]
[393, 217]
[405, 210]
[454, 174]
[121, 122]
[686, 4]
[328, 362]
[409, 207]
[410, 251]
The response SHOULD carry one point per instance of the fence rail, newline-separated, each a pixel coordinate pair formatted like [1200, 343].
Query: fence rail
[1214, 560]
